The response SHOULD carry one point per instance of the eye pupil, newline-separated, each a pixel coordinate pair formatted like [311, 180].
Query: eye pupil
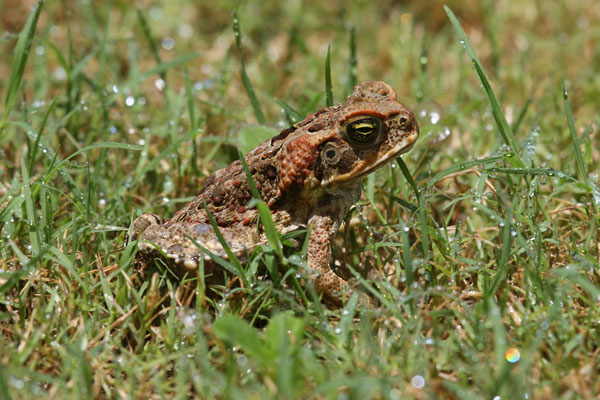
[330, 153]
[364, 131]
[403, 120]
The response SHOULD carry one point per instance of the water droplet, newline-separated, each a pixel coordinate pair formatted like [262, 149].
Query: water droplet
[417, 381]
[167, 43]
[512, 355]
[155, 13]
[159, 83]
[186, 31]
[130, 101]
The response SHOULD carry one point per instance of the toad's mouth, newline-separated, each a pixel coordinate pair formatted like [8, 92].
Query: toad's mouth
[372, 162]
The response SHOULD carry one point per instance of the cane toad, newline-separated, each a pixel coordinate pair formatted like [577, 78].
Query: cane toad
[309, 176]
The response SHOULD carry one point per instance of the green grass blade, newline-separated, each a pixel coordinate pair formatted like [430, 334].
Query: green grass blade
[193, 123]
[422, 211]
[232, 257]
[292, 115]
[264, 212]
[190, 100]
[34, 233]
[260, 117]
[172, 148]
[18, 65]
[163, 67]
[407, 175]
[228, 266]
[237, 332]
[519, 120]
[574, 137]
[423, 60]
[352, 62]
[328, 86]
[462, 166]
[38, 138]
[149, 38]
[503, 127]
[504, 255]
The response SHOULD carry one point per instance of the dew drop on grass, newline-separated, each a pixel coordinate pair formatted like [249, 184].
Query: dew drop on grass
[155, 13]
[167, 43]
[395, 394]
[242, 360]
[17, 383]
[430, 112]
[512, 355]
[159, 83]
[185, 31]
[417, 381]
[130, 101]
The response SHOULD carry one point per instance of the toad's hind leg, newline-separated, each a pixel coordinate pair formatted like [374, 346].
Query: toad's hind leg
[331, 286]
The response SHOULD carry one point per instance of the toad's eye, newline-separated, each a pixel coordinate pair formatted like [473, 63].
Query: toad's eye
[364, 131]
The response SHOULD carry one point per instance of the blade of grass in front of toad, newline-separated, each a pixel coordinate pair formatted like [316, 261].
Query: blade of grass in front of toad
[239, 270]
[18, 65]
[260, 117]
[271, 232]
[505, 131]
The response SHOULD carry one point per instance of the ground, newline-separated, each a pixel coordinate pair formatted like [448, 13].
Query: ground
[480, 245]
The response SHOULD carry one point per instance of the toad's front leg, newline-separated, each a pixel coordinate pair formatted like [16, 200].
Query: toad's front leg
[331, 286]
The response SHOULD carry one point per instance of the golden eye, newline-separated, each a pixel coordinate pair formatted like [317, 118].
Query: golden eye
[364, 131]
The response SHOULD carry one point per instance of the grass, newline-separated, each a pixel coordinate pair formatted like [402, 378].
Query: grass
[481, 242]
